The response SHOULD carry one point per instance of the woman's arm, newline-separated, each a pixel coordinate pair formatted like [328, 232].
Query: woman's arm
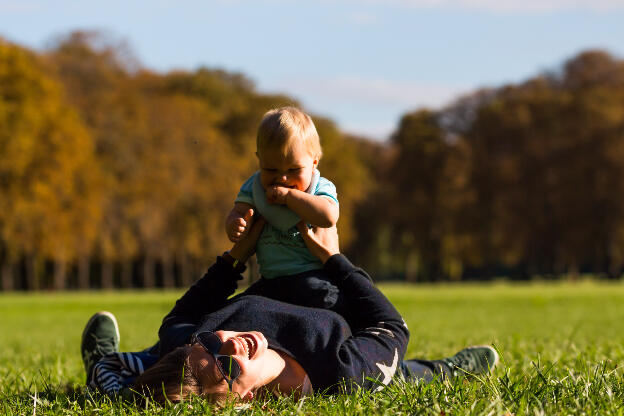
[380, 336]
[208, 294]
[366, 305]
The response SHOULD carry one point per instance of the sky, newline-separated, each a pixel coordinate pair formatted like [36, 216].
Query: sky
[362, 63]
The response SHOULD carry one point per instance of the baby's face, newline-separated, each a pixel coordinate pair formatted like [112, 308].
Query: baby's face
[294, 171]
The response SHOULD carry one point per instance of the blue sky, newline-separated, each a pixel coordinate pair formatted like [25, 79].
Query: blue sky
[362, 63]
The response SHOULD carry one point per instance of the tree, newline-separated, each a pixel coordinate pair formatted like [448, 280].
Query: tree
[48, 208]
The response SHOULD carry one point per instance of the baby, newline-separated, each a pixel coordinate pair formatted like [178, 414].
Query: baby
[286, 190]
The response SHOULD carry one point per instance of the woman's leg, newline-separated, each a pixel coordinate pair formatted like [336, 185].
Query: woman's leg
[413, 370]
[99, 338]
[312, 289]
[109, 370]
[470, 361]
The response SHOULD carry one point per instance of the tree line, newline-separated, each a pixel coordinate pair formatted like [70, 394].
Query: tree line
[113, 175]
[516, 181]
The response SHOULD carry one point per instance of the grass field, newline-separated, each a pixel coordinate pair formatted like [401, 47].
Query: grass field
[562, 348]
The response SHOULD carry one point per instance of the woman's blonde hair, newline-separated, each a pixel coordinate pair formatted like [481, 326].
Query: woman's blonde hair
[281, 127]
[172, 379]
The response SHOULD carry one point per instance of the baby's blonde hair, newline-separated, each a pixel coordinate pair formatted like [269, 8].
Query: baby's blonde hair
[281, 127]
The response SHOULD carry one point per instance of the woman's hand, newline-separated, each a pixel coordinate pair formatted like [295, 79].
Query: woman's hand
[322, 242]
[245, 247]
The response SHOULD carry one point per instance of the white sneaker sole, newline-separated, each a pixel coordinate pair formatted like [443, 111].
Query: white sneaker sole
[489, 347]
[105, 313]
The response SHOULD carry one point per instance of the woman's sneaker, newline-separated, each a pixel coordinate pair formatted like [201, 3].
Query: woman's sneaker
[472, 361]
[99, 338]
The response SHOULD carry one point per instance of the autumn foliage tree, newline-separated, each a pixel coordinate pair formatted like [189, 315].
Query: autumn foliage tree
[50, 206]
[521, 180]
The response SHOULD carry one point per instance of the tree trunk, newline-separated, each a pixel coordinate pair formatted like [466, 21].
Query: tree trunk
[614, 264]
[83, 272]
[149, 270]
[168, 272]
[412, 266]
[7, 277]
[573, 272]
[107, 274]
[126, 274]
[185, 272]
[60, 275]
[32, 280]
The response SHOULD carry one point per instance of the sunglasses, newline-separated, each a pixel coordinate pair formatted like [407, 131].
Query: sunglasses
[229, 368]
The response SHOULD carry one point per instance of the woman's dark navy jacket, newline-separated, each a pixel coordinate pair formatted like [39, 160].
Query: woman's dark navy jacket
[364, 347]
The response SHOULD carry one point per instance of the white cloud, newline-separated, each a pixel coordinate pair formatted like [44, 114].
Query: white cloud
[505, 5]
[538, 5]
[377, 131]
[374, 91]
[480, 5]
[530, 6]
[18, 6]
[365, 106]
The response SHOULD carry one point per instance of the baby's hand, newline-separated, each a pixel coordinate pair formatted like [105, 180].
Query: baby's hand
[276, 194]
[237, 224]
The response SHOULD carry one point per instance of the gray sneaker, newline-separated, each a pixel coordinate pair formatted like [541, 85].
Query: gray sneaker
[472, 361]
[99, 338]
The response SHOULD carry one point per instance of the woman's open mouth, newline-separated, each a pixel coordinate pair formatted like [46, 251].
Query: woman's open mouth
[250, 344]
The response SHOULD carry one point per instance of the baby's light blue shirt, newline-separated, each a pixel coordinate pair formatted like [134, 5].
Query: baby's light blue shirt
[280, 249]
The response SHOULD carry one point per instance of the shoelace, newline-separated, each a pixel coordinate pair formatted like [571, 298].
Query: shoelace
[463, 362]
[103, 346]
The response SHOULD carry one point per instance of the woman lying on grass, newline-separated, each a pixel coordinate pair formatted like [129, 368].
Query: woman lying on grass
[251, 345]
